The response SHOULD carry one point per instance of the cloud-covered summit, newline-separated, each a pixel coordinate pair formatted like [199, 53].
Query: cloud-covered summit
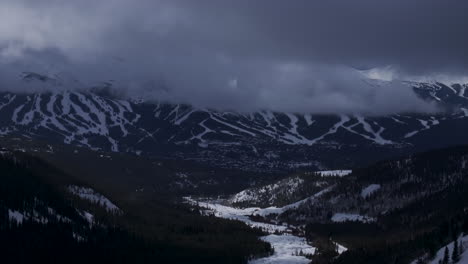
[282, 55]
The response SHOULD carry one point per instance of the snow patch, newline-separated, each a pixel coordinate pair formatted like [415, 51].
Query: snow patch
[242, 215]
[344, 217]
[440, 253]
[339, 173]
[16, 216]
[94, 197]
[427, 124]
[370, 190]
[252, 195]
[287, 248]
[87, 216]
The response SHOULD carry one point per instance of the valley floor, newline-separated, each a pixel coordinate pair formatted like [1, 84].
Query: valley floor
[288, 247]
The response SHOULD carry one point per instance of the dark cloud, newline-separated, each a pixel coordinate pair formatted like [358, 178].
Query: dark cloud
[283, 55]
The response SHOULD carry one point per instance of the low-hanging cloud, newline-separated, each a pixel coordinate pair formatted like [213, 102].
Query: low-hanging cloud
[245, 55]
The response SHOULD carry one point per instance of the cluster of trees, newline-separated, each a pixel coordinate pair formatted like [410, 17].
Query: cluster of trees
[425, 199]
[288, 190]
[53, 229]
[448, 257]
[327, 250]
[402, 182]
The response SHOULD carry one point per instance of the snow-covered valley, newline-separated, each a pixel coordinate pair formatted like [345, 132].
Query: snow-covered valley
[289, 247]
[288, 250]
[341, 200]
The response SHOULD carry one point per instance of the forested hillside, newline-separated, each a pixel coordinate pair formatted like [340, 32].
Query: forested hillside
[41, 220]
[417, 204]
[393, 211]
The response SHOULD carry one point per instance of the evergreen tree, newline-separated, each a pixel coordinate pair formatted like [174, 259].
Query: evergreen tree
[446, 256]
[460, 247]
[455, 254]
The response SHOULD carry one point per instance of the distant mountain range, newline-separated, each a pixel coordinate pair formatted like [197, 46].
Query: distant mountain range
[263, 140]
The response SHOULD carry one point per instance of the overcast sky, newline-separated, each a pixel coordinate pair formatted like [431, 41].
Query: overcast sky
[297, 55]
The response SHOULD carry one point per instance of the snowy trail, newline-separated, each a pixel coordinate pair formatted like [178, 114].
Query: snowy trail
[286, 245]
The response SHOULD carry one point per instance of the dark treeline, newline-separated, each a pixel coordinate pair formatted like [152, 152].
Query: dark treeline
[40, 222]
[438, 213]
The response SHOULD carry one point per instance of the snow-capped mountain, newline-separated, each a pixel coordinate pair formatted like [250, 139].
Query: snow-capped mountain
[262, 140]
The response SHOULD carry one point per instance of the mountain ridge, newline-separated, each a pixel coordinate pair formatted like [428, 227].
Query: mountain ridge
[262, 140]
